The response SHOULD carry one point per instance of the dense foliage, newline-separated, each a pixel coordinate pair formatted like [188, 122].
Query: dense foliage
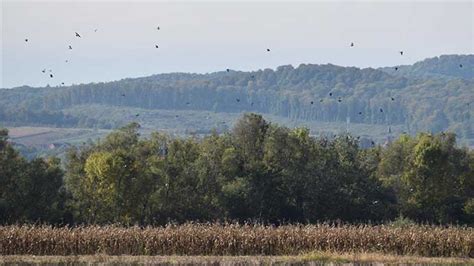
[258, 171]
[433, 95]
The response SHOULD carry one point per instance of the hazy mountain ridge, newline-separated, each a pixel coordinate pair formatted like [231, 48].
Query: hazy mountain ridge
[432, 95]
[444, 66]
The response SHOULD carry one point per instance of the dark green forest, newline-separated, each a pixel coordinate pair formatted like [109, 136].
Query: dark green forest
[434, 95]
[257, 171]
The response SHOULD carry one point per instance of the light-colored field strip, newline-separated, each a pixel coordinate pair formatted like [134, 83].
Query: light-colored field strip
[316, 258]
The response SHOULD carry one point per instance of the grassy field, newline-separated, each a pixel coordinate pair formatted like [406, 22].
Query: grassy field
[51, 141]
[315, 258]
[238, 240]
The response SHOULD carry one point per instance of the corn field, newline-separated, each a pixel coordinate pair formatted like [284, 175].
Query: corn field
[236, 239]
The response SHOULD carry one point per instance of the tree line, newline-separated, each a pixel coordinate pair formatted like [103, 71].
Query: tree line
[258, 171]
[433, 95]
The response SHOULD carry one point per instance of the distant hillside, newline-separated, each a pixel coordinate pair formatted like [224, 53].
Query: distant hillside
[432, 95]
[445, 66]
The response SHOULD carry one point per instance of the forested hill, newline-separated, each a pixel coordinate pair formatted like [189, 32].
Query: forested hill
[434, 95]
[445, 66]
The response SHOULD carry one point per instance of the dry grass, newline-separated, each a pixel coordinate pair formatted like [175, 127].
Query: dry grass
[237, 240]
[318, 258]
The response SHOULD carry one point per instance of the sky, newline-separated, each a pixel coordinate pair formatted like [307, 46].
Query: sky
[202, 37]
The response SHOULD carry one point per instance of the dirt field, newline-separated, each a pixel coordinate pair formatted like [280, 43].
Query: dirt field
[306, 259]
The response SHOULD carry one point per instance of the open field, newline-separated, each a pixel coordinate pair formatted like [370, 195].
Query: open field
[237, 240]
[43, 136]
[317, 258]
[53, 141]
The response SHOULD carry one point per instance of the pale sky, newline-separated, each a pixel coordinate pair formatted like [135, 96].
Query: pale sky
[212, 36]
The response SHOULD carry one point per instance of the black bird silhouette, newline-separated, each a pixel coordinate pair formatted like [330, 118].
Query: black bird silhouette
[381, 110]
[339, 100]
[95, 30]
[70, 47]
[252, 76]
[137, 115]
[123, 95]
[66, 60]
[330, 94]
[26, 40]
[51, 75]
[352, 44]
[460, 65]
[312, 102]
[77, 35]
[360, 113]
[396, 68]
[268, 50]
[401, 52]
[156, 45]
[188, 103]
[238, 100]
[62, 83]
[44, 70]
[228, 70]
[373, 143]
[321, 100]
[393, 99]
[158, 28]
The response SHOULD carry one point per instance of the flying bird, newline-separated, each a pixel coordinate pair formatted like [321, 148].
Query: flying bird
[238, 100]
[228, 70]
[70, 47]
[137, 115]
[396, 68]
[51, 75]
[158, 28]
[268, 50]
[62, 83]
[373, 143]
[330, 94]
[123, 95]
[321, 100]
[66, 60]
[44, 70]
[77, 35]
[26, 40]
[156, 45]
[339, 100]
[460, 65]
[188, 103]
[312, 102]
[252, 76]
[381, 110]
[401, 52]
[393, 99]
[352, 44]
[95, 30]
[360, 113]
